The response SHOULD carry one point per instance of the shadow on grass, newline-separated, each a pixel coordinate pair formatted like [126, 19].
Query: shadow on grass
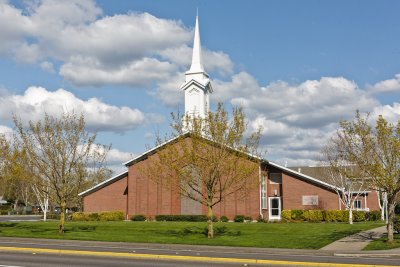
[218, 231]
[7, 224]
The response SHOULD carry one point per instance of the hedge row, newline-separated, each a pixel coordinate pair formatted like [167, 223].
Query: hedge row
[100, 216]
[329, 215]
[190, 218]
[181, 218]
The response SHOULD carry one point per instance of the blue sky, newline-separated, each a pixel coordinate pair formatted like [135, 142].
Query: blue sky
[297, 67]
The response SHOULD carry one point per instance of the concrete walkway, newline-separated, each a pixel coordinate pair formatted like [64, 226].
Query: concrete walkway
[357, 241]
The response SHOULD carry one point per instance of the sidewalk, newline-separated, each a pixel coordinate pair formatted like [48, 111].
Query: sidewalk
[353, 244]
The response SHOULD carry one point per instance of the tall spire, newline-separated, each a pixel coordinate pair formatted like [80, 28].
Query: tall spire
[196, 66]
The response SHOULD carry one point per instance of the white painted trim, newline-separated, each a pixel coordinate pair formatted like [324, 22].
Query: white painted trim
[270, 217]
[98, 186]
[305, 176]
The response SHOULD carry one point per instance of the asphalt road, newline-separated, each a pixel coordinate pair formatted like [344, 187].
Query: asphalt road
[19, 218]
[164, 255]
[44, 260]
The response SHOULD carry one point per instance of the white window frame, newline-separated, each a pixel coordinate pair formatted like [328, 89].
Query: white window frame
[263, 192]
[358, 200]
[312, 200]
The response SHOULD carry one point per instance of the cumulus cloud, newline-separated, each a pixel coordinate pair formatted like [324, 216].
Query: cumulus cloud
[99, 116]
[129, 49]
[298, 119]
[390, 85]
[389, 112]
[6, 131]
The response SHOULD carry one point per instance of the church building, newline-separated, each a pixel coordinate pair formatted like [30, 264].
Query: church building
[279, 187]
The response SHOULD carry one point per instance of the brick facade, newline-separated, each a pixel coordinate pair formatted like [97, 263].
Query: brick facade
[112, 197]
[134, 193]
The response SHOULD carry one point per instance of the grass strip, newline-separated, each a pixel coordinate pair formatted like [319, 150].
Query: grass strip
[267, 235]
[382, 244]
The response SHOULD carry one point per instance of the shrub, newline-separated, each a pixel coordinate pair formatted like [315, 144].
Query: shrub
[224, 219]
[181, 218]
[297, 215]
[286, 215]
[315, 216]
[336, 215]
[138, 218]
[78, 216]
[239, 218]
[111, 216]
[374, 215]
[94, 216]
[396, 224]
[359, 216]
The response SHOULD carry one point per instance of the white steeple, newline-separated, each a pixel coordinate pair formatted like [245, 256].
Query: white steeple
[196, 66]
[197, 85]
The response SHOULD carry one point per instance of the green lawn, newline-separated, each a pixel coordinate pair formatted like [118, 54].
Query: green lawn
[381, 243]
[270, 235]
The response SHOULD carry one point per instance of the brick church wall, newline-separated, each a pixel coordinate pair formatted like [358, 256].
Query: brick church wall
[113, 197]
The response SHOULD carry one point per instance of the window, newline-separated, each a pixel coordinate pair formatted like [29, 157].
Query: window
[263, 193]
[358, 204]
[310, 200]
[275, 178]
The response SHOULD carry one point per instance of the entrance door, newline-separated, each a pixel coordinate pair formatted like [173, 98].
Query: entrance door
[274, 208]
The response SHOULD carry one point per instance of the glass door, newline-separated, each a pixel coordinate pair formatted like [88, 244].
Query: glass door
[274, 208]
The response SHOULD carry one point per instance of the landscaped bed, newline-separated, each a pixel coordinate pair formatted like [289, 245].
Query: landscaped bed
[269, 235]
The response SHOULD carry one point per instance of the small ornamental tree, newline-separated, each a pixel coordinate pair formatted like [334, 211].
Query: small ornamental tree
[347, 178]
[376, 152]
[208, 160]
[62, 156]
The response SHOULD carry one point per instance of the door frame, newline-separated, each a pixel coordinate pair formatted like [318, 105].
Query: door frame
[274, 217]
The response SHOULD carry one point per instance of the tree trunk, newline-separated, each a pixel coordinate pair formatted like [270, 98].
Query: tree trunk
[16, 205]
[62, 217]
[46, 207]
[351, 215]
[390, 225]
[210, 222]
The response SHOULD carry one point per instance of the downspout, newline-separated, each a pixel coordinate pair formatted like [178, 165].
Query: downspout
[260, 188]
[127, 196]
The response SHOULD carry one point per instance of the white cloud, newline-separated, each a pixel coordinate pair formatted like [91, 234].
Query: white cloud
[47, 66]
[7, 132]
[117, 157]
[134, 48]
[88, 71]
[297, 119]
[390, 112]
[99, 116]
[390, 85]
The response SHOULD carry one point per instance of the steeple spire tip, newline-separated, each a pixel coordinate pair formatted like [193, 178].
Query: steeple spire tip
[197, 65]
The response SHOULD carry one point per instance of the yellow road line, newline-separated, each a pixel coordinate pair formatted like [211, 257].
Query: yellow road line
[180, 258]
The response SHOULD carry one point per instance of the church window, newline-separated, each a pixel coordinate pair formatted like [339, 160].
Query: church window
[310, 200]
[263, 193]
[358, 204]
[275, 178]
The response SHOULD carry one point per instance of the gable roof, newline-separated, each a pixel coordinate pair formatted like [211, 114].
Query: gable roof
[184, 135]
[153, 150]
[104, 184]
[305, 176]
